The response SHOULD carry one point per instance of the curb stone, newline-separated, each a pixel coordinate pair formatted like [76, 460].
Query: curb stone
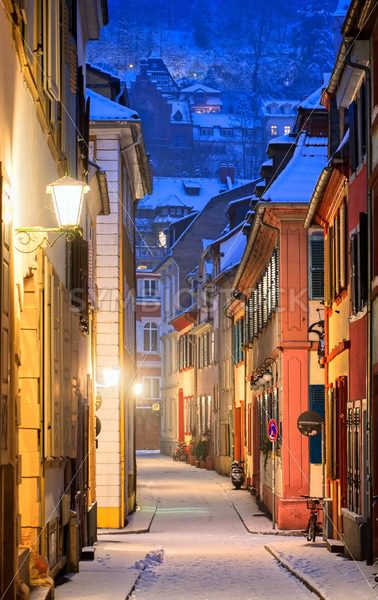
[290, 569]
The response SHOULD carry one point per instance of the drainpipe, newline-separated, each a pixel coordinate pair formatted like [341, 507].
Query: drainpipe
[370, 473]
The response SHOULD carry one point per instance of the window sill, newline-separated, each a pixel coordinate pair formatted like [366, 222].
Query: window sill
[352, 516]
[358, 316]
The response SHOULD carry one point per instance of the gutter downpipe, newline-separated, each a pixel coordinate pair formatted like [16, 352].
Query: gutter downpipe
[370, 473]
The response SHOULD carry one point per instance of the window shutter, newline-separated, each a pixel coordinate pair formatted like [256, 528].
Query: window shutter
[265, 298]
[316, 403]
[363, 259]
[328, 270]
[269, 291]
[317, 266]
[353, 272]
[250, 319]
[246, 323]
[260, 307]
[342, 227]
[353, 141]
[255, 314]
[336, 254]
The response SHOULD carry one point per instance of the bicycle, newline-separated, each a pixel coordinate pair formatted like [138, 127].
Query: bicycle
[314, 505]
[180, 452]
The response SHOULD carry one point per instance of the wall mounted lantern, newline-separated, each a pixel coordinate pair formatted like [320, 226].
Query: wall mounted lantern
[67, 195]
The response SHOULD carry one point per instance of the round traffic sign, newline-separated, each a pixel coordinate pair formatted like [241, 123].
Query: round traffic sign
[272, 430]
[309, 423]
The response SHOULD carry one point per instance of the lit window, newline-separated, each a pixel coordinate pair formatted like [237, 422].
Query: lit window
[150, 338]
[287, 129]
[151, 387]
[273, 130]
[162, 239]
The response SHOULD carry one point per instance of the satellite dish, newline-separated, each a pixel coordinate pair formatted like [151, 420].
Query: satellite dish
[309, 423]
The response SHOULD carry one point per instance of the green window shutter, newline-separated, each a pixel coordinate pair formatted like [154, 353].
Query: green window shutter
[316, 403]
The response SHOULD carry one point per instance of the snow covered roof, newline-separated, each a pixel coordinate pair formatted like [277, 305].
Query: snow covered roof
[180, 112]
[232, 249]
[178, 191]
[105, 71]
[297, 181]
[279, 107]
[103, 109]
[313, 100]
[223, 120]
[199, 87]
[282, 139]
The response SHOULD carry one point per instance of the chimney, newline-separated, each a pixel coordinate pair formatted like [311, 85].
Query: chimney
[231, 172]
[223, 172]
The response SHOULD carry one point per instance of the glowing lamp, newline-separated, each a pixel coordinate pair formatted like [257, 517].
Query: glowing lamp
[111, 377]
[138, 389]
[67, 194]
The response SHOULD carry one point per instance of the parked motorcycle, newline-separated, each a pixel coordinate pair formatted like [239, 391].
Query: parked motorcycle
[237, 474]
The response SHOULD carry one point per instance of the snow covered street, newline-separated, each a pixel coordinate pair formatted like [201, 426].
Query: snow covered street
[196, 547]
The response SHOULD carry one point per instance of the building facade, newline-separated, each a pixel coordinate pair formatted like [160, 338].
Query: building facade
[48, 497]
[117, 146]
[148, 321]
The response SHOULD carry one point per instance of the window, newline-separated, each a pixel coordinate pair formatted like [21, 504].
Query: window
[357, 129]
[162, 239]
[237, 341]
[205, 409]
[150, 288]
[287, 129]
[150, 338]
[185, 354]
[206, 131]
[316, 403]
[151, 388]
[358, 265]
[188, 415]
[227, 132]
[263, 301]
[316, 271]
[274, 130]
[78, 251]
[335, 257]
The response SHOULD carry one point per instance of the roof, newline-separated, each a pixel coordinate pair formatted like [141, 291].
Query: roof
[199, 87]
[105, 71]
[282, 139]
[313, 100]
[267, 105]
[297, 180]
[103, 109]
[173, 191]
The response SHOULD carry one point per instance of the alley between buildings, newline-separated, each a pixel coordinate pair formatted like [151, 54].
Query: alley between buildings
[197, 547]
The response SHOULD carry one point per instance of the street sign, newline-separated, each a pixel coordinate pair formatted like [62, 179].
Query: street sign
[272, 430]
[309, 423]
[156, 406]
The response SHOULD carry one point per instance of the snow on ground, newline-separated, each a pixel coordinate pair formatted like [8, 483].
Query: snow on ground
[198, 548]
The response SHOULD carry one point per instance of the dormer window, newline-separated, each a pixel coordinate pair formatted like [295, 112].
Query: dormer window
[274, 130]
[287, 129]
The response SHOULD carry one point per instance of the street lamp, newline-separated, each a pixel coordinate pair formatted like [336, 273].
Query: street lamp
[67, 195]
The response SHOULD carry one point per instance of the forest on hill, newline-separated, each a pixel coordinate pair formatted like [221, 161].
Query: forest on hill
[269, 48]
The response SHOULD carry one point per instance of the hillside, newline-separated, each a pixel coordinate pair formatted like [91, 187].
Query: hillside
[255, 46]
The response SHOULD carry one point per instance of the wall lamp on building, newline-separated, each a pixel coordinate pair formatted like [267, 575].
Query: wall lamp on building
[138, 389]
[263, 375]
[318, 329]
[67, 195]
[110, 378]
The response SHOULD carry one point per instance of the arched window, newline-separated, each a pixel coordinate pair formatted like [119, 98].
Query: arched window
[150, 343]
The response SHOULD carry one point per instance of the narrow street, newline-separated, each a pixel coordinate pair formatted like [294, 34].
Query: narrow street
[207, 553]
[197, 547]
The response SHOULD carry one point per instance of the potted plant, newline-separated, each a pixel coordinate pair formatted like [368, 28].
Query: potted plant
[201, 453]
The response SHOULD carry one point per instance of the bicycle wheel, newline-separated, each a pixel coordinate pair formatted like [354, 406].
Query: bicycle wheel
[311, 531]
